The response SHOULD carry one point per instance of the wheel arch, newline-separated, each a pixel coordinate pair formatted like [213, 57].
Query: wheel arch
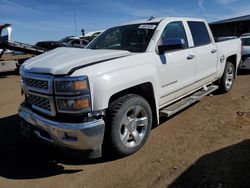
[144, 90]
[233, 60]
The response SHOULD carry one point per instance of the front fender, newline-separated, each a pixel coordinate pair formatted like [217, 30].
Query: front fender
[108, 84]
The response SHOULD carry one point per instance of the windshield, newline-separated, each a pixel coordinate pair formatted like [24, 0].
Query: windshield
[134, 38]
[245, 41]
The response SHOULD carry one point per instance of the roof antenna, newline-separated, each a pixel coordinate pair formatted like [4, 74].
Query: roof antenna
[151, 18]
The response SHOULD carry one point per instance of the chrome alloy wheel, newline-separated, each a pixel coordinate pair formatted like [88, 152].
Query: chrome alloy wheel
[134, 125]
[229, 77]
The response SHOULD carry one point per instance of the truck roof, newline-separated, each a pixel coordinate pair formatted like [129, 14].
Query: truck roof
[157, 20]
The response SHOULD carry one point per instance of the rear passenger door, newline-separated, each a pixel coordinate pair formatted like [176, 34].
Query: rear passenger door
[205, 52]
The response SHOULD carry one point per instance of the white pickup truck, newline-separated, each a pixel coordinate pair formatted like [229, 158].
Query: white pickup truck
[111, 93]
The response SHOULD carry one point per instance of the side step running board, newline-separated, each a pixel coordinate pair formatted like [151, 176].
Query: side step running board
[183, 103]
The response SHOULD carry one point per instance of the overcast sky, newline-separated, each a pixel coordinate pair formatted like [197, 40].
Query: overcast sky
[34, 20]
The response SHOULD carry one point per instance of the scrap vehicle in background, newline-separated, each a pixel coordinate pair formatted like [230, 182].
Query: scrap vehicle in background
[13, 54]
[70, 41]
[245, 51]
[91, 35]
[11, 61]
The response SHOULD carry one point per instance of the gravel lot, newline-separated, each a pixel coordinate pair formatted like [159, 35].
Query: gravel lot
[206, 145]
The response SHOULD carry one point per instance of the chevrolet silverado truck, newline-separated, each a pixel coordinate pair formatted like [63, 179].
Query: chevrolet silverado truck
[108, 96]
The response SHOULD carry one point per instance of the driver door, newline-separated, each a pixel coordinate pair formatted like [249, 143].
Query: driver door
[176, 66]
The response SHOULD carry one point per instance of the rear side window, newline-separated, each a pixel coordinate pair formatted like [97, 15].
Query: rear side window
[199, 33]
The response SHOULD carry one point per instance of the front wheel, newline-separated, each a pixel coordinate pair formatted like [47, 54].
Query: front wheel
[227, 80]
[129, 121]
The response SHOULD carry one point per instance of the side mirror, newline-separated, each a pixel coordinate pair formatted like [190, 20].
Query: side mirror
[171, 44]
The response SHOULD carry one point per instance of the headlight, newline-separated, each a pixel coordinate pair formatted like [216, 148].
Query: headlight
[72, 94]
[79, 104]
[71, 85]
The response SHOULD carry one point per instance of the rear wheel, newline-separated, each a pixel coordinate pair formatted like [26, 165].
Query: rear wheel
[129, 123]
[227, 80]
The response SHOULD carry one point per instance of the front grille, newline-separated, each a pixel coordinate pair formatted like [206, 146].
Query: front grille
[39, 102]
[40, 84]
[38, 89]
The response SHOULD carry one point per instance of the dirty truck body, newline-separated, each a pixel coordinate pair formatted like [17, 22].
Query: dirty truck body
[109, 95]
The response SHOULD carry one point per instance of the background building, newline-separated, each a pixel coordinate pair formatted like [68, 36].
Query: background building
[231, 27]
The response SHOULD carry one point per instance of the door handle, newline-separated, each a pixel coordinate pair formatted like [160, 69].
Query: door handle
[213, 51]
[190, 57]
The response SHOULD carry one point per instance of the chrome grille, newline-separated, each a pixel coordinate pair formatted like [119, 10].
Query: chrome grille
[41, 84]
[38, 89]
[39, 102]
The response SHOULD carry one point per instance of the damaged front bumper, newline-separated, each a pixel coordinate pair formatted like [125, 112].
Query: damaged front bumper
[77, 136]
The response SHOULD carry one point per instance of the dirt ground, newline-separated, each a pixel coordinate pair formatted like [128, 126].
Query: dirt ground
[206, 145]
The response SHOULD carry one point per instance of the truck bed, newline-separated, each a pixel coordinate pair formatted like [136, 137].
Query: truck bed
[229, 47]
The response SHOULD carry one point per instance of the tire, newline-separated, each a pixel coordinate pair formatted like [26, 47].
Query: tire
[129, 122]
[227, 80]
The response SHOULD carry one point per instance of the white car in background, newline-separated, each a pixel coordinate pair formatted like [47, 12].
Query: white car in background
[245, 38]
[92, 35]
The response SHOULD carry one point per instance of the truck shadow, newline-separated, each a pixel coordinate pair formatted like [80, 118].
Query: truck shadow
[22, 159]
[28, 159]
[227, 167]
[9, 73]
[244, 72]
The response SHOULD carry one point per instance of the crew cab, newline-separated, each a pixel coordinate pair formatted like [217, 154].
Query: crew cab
[109, 95]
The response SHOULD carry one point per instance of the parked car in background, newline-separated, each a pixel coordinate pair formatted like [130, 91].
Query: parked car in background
[245, 51]
[220, 39]
[92, 35]
[77, 43]
[245, 34]
[70, 41]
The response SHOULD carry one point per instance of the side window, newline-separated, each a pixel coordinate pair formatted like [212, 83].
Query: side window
[174, 32]
[199, 33]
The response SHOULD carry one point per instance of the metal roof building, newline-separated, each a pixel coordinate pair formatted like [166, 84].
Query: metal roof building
[231, 27]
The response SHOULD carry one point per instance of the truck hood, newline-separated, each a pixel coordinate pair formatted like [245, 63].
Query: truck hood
[61, 61]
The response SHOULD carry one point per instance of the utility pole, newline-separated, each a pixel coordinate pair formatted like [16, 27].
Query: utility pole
[75, 21]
